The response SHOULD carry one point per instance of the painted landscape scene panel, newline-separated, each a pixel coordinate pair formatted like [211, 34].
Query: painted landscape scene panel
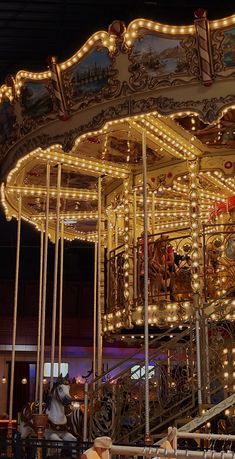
[36, 99]
[92, 74]
[229, 48]
[160, 56]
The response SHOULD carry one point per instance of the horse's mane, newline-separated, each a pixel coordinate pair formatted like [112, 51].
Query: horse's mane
[62, 380]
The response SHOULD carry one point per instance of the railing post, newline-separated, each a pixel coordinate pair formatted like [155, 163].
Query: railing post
[172, 437]
[17, 446]
[9, 438]
[40, 422]
[85, 412]
[198, 358]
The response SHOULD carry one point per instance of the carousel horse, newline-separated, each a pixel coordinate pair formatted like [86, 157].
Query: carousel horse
[61, 425]
[26, 426]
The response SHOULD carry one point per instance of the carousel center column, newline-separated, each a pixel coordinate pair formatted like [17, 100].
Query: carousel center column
[128, 242]
[196, 266]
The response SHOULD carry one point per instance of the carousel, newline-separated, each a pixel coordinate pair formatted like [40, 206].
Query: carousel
[129, 144]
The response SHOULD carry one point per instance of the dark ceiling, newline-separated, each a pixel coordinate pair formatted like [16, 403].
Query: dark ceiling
[32, 30]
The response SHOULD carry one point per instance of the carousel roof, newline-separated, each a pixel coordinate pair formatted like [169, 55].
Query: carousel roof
[63, 115]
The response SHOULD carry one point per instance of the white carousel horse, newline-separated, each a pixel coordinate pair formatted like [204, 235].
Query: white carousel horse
[59, 397]
[60, 426]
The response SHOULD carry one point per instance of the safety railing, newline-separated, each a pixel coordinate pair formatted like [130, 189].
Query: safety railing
[117, 404]
[169, 267]
[33, 448]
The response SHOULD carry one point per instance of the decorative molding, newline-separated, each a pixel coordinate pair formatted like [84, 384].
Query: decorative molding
[65, 138]
[208, 109]
[217, 40]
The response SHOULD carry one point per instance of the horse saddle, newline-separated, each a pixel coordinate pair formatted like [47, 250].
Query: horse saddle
[57, 427]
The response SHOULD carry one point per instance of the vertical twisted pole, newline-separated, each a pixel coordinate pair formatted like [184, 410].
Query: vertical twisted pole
[109, 248]
[44, 289]
[135, 258]
[146, 316]
[198, 353]
[39, 316]
[58, 88]
[207, 362]
[95, 313]
[204, 46]
[99, 312]
[55, 275]
[153, 212]
[15, 314]
[61, 295]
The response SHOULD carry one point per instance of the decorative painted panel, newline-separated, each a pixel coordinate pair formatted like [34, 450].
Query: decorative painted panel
[87, 78]
[229, 48]
[36, 99]
[160, 56]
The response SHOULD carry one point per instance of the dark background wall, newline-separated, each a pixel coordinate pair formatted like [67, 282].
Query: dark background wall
[77, 288]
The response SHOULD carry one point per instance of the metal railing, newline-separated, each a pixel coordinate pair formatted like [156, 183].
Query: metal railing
[33, 448]
[170, 280]
[117, 404]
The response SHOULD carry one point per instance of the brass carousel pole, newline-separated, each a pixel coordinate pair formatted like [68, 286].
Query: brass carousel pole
[61, 294]
[95, 313]
[55, 275]
[116, 231]
[44, 290]
[146, 317]
[153, 212]
[39, 315]
[109, 248]
[135, 294]
[94, 357]
[99, 311]
[208, 396]
[15, 319]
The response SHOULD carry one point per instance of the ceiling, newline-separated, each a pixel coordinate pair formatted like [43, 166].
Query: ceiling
[32, 30]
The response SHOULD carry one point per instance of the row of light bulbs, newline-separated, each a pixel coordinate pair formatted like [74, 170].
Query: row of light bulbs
[73, 193]
[113, 321]
[108, 40]
[126, 267]
[71, 160]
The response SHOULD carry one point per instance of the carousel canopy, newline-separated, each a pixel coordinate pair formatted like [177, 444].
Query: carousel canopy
[115, 152]
[88, 113]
